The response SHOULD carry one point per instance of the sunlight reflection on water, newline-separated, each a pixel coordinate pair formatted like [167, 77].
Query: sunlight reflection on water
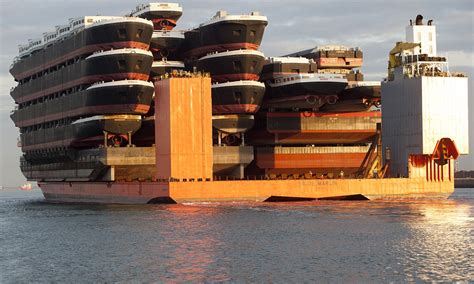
[350, 241]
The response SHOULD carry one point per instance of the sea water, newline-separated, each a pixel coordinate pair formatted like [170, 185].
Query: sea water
[321, 241]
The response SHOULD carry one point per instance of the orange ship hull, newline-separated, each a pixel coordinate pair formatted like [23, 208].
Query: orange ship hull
[242, 190]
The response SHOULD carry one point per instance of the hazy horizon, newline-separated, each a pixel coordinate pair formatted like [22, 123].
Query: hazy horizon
[374, 26]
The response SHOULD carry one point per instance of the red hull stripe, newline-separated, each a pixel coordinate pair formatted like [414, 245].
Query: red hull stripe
[80, 51]
[235, 77]
[307, 114]
[220, 47]
[84, 80]
[92, 110]
[235, 109]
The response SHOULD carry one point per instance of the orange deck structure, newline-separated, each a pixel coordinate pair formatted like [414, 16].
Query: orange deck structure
[183, 128]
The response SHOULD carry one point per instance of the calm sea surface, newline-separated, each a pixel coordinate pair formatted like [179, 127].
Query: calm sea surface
[330, 241]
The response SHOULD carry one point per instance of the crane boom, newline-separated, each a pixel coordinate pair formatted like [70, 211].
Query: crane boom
[398, 48]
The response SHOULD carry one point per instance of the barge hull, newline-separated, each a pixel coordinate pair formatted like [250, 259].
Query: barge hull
[242, 190]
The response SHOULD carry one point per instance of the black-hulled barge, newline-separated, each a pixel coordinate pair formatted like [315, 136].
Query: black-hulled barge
[81, 86]
[118, 97]
[233, 65]
[166, 44]
[78, 40]
[238, 97]
[163, 15]
[294, 83]
[120, 64]
[87, 132]
[225, 32]
[358, 96]
[307, 84]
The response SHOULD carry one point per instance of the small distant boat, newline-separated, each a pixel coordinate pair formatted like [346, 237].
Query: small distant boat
[27, 186]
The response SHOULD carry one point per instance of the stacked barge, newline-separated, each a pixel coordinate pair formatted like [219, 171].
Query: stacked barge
[131, 110]
[226, 46]
[80, 87]
[166, 47]
[317, 108]
[359, 95]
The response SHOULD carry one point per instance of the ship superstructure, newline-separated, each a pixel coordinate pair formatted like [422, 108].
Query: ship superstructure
[225, 32]
[423, 102]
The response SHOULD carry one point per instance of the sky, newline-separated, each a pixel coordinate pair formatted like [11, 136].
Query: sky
[373, 25]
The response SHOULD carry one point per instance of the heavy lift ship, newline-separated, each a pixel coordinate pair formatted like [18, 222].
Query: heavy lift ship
[411, 152]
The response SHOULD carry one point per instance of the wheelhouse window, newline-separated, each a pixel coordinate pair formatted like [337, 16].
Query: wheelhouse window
[122, 33]
[253, 66]
[122, 65]
[139, 33]
[237, 65]
[237, 96]
[123, 97]
[139, 64]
